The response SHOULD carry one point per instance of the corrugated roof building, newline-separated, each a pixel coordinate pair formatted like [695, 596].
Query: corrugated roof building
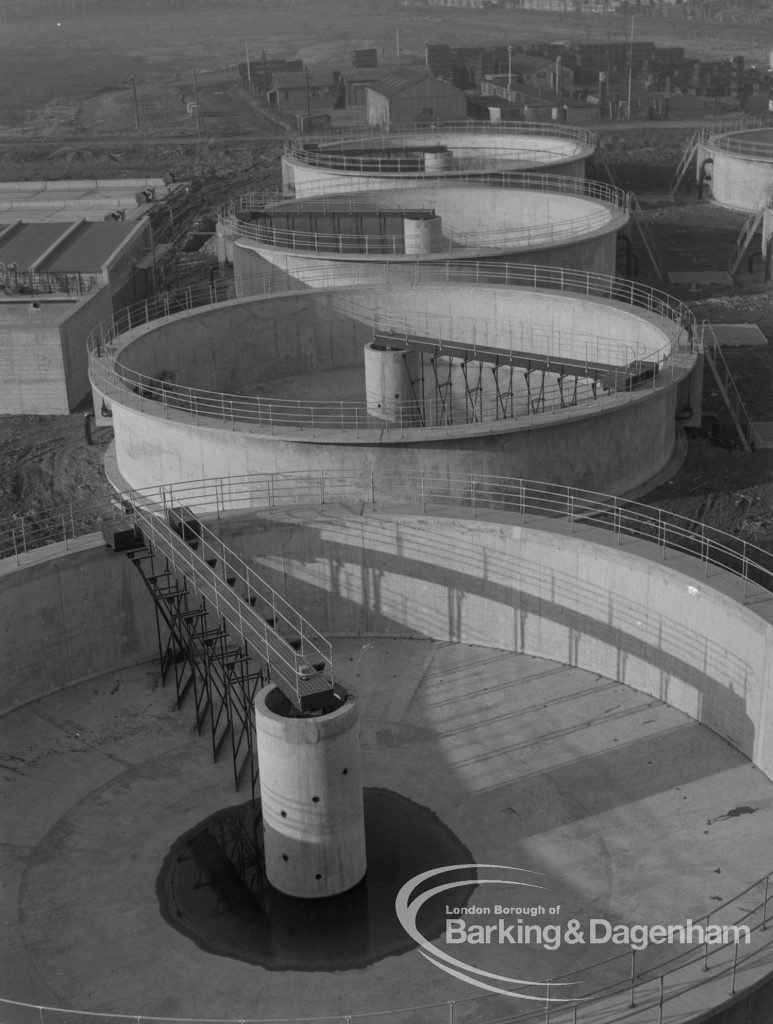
[413, 95]
[57, 282]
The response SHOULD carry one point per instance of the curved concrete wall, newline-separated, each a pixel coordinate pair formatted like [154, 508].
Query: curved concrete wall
[66, 616]
[596, 255]
[219, 347]
[742, 181]
[614, 451]
[627, 616]
[306, 180]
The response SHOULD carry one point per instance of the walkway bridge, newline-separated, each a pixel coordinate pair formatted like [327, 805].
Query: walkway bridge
[222, 630]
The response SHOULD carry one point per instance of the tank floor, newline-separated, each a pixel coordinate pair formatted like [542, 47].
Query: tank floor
[629, 810]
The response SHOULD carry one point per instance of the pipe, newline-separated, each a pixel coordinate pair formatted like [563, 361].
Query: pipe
[87, 418]
[703, 178]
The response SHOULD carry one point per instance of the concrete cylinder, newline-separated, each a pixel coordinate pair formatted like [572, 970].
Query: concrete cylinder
[311, 796]
[420, 234]
[437, 160]
[388, 375]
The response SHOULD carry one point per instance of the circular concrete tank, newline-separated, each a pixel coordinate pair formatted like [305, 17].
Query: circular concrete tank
[543, 219]
[311, 797]
[739, 166]
[611, 791]
[369, 160]
[559, 381]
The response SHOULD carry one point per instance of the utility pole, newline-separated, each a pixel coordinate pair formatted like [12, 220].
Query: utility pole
[397, 42]
[630, 70]
[136, 104]
[308, 97]
[509, 70]
[560, 90]
[249, 76]
[196, 102]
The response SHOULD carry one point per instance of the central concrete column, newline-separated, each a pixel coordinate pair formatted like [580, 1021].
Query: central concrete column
[311, 796]
[437, 160]
[388, 390]
[421, 234]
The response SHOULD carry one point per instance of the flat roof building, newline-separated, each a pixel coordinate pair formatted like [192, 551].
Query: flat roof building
[57, 282]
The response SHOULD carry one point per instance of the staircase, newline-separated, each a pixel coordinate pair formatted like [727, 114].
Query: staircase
[646, 238]
[748, 231]
[728, 388]
[688, 155]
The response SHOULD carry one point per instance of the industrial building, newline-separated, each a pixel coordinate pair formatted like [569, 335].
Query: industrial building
[409, 95]
[57, 281]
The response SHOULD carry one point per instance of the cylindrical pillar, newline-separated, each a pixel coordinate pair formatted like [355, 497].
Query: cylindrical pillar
[437, 160]
[421, 234]
[392, 383]
[311, 796]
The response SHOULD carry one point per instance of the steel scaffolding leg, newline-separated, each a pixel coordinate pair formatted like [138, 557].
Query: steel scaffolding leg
[443, 391]
[505, 400]
[473, 391]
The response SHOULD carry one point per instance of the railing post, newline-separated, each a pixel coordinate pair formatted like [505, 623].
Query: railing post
[372, 491]
[735, 965]
[64, 531]
[765, 905]
[632, 1001]
[450, 1011]
[706, 947]
[660, 999]
[23, 534]
[547, 1001]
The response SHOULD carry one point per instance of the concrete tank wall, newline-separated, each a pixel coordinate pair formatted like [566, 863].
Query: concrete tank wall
[599, 606]
[742, 181]
[66, 616]
[220, 347]
[310, 181]
[595, 255]
[614, 450]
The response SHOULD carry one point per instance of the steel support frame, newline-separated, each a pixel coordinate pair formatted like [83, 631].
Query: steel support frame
[203, 655]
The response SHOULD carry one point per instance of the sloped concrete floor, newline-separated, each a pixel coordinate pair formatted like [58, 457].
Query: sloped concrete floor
[629, 810]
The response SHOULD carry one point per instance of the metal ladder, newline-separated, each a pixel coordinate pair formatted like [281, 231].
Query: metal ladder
[728, 388]
[742, 243]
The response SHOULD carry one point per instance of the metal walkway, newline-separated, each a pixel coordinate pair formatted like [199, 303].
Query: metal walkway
[239, 627]
[621, 376]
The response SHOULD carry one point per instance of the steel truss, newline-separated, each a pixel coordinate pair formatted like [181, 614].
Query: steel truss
[505, 401]
[473, 390]
[198, 648]
[443, 389]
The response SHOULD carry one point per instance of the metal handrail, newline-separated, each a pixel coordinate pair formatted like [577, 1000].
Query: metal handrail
[117, 380]
[235, 592]
[641, 988]
[589, 188]
[544, 392]
[725, 137]
[341, 243]
[575, 282]
[383, 490]
[367, 133]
